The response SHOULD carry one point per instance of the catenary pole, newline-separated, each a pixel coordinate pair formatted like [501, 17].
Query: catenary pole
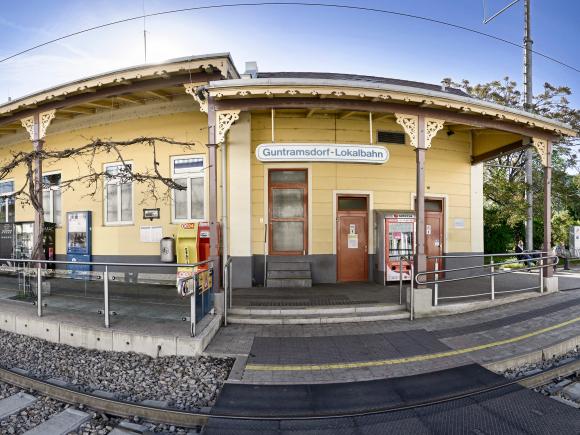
[528, 102]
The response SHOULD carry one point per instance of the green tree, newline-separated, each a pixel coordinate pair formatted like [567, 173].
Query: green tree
[504, 184]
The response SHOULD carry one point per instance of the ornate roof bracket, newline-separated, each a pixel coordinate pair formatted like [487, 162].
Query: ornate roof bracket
[38, 132]
[541, 147]
[432, 126]
[195, 91]
[225, 119]
[410, 124]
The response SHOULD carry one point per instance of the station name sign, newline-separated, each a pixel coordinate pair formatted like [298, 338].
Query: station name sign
[313, 152]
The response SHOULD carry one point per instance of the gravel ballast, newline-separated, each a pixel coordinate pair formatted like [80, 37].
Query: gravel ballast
[546, 364]
[183, 382]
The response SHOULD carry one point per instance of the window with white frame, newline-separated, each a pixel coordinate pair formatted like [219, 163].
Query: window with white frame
[51, 198]
[118, 193]
[189, 203]
[6, 201]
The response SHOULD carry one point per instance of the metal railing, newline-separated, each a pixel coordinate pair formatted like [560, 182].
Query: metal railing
[542, 259]
[227, 288]
[181, 282]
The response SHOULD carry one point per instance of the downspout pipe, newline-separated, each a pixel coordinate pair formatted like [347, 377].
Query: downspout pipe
[225, 240]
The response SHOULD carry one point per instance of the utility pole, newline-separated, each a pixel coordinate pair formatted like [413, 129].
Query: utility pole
[528, 102]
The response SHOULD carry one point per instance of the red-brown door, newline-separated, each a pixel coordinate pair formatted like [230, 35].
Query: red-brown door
[352, 239]
[434, 232]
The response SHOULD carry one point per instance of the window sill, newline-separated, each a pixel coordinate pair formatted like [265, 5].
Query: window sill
[118, 224]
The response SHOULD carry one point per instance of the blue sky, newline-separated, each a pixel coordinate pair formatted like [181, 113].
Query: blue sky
[289, 38]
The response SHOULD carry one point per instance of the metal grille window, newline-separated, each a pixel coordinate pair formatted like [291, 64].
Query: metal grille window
[51, 198]
[118, 193]
[391, 137]
[189, 203]
[6, 201]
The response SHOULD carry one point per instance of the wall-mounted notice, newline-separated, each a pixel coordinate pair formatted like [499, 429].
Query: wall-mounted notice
[459, 223]
[151, 234]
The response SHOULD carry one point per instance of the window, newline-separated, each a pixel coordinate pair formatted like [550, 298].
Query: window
[118, 193]
[189, 203]
[51, 198]
[6, 201]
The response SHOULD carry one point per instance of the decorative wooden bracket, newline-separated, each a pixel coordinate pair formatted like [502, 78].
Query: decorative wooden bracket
[541, 146]
[193, 90]
[410, 124]
[225, 119]
[45, 119]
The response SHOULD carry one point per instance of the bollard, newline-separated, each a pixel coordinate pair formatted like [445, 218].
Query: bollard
[492, 280]
[400, 280]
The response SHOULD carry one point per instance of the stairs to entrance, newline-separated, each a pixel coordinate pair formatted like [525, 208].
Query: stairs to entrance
[288, 274]
[316, 315]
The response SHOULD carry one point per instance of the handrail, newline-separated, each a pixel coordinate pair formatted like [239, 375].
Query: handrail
[100, 263]
[432, 272]
[180, 282]
[542, 261]
[513, 254]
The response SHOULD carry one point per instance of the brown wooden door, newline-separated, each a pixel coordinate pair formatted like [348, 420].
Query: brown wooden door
[288, 212]
[352, 239]
[434, 238]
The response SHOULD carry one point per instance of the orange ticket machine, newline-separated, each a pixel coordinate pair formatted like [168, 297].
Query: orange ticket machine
[192, 246]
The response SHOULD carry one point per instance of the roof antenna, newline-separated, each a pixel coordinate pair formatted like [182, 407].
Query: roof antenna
[144, 32]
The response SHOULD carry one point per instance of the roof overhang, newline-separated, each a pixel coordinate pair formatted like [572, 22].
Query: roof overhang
[173, 71]
[379, 92]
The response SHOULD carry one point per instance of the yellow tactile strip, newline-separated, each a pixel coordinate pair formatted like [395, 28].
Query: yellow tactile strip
[384, 362]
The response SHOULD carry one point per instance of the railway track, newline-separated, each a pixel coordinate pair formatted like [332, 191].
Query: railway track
[105, 406]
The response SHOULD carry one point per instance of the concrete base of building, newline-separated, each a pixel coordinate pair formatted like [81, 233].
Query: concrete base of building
[77, 334]
[551, 284]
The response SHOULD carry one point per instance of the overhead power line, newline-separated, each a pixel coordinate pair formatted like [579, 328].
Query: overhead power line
[300, 4]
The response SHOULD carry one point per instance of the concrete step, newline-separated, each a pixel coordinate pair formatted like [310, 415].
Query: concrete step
[287, 265]
[14, 404]
[63, 423]
[319, 310]
[289, 282]
[317, 319]
[285, 274]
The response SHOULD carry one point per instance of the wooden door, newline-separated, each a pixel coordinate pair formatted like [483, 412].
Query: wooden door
[288, 212]
[434, 232]
[352, 239]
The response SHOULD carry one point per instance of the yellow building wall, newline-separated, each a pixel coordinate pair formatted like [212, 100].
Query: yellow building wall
[118, 239]
[392, 185]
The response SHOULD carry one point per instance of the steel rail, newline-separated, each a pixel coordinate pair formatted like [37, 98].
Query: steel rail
[192, 419]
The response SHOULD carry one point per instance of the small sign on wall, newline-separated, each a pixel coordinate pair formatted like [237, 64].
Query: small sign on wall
[353, 241]
[151, 234]
[459, 223]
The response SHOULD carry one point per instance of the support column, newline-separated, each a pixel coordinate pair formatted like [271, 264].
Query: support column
[548, 272]
[421, 131]
[213, 218]
[420, 258]
[544, 148]
[36, 126]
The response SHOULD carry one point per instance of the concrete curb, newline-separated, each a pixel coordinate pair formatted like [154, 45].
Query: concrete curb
[110, 339]
[535, 356]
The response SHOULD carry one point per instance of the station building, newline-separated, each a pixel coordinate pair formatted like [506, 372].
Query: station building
[288, 167]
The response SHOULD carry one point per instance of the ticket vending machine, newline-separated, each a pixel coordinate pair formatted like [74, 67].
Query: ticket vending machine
[395, 237]
[79, 242]
[192, 246]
